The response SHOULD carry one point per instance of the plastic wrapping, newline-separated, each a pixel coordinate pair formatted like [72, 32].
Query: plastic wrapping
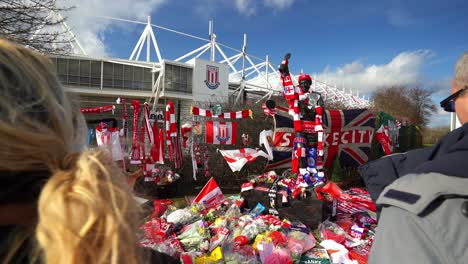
[299, 242]
[264, 250]
[278, 256]
[194, 237]
[331, 231]
[243, 254]
[181, 216]
[160, 206]
[254, 228]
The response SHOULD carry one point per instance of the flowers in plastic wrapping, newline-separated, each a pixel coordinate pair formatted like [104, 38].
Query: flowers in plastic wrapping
[254, 228]
[240, 254]
[233, 212]
[160, 206]
[331, 231]
[265, 248]
[220, 234]
[278, 256]
[181, 216]
[194, 237]
[163, 176]
[299, 242]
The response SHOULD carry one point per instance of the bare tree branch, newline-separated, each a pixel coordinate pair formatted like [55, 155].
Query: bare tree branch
[35, 24]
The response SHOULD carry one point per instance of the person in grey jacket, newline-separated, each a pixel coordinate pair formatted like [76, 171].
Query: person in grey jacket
[424, 215]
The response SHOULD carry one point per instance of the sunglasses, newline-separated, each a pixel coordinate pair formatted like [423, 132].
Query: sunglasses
[448, 104]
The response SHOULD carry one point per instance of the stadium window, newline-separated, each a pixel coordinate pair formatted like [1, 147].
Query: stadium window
[147, 77]
[118, 75]
[85, 72]
[96, 73]
[137, 78]
[128, 77]
[62, 70]
[108, 74]
[74, 71]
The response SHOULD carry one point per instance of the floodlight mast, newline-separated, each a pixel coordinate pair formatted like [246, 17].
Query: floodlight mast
[147, 34]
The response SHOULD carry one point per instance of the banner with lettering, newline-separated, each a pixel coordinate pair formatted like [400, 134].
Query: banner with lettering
[347, 133]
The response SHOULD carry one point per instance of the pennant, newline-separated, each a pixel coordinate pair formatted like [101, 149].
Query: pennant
[221, 133]
[210, 195]
[233, 115]
[237, 158]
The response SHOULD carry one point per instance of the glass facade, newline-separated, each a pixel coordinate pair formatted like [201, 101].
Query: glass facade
[87, 73]
[178, 78]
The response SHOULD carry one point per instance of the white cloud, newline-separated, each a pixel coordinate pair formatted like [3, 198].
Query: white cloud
[279, 4]
[400, 17]
[90, 30]
[404, 69]
[441, 118]
[245, 7]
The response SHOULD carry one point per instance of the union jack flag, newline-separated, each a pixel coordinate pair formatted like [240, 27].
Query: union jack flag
[348, 133]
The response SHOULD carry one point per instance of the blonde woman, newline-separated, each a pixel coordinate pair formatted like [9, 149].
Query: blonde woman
[58, 203]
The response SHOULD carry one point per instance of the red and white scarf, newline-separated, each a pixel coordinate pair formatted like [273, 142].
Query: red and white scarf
[98, 109]
[157, 151]
[135, 158]
[207, 169]
[124, 125]
[171, 128]
[143, 151]
[246, 113]
[267, 111]
[172, 140]
[148, 125]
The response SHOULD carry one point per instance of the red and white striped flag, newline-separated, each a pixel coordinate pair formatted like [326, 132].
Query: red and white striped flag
[246, 113]
[221, 133]
[210, 195]
[237, 158]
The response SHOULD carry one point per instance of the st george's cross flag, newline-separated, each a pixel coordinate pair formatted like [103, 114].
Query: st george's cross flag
[237, 158]
[221, 133]
[210, 195]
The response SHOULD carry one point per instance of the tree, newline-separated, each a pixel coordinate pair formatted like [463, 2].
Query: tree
[35, 24]
[422, 105]
[414, 103]
[432, 135]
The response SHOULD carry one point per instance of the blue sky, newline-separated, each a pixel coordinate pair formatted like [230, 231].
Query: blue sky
[360, 44]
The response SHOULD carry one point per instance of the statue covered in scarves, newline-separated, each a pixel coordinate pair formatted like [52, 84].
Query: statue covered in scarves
[306, 107]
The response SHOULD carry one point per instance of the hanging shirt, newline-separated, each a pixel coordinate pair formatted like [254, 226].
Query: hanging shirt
[110, 138]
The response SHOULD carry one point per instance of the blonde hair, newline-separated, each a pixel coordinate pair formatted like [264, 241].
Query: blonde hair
[86, 211]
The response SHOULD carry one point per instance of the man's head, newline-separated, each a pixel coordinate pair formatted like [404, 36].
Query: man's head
[461, 80]
[304, 82]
